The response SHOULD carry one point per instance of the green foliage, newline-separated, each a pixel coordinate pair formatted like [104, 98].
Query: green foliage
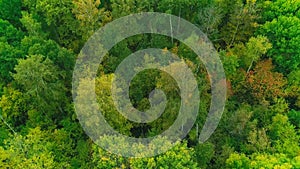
[258, 141]
[277, 8]
[236, 161]
[90, 16]
[284, 35]
[242, 22]
[257, 160]
[61, 57]
[230, 63]
[30, 151]
[179, 157]
[11, 11]
[8, 60]
[57, 18]
[251, 53]
[294, 117]
[39, 79]
[281, 23]
[10, 38]
[293, 89]
[107, 105]
[258, 42]
[32, 25]
[204, 153]
[13, 105]
[9, 34]
[284, 138]
[103, 159]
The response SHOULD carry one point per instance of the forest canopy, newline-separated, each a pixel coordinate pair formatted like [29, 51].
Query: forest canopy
[258, 42]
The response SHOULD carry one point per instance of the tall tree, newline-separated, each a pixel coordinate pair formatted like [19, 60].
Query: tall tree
[57, 19]
[90, 16]
[11, 11]
[39, 78]
[241, 24]
[281, 20]
[284, 35]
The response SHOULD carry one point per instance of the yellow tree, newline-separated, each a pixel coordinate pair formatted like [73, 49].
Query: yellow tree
[90, 16]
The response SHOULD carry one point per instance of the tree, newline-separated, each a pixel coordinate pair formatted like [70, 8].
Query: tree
[282, 20]
[121, 8]
[90, 16]
[63, 58]
[283, 34]
[204, 153]
[8, 60]
[293, 89]
[9, 33]
[179, 156]
[283, 135]
[107, 106]
[237, 161]
[241, 24]
[30, 151]
[252, 51]
[261, 160]
[13, 105]
[258, 141]
[11, 11]
[264, 84]
[32, 25]
[39, 78]
[57, 18]
[209, 18]
[102, 159]
[240, 124]
[294, 117]
[277, 8]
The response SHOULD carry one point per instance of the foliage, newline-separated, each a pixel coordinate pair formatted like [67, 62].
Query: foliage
[257, 160]
[31, 151]
[284, 35]
[39, 79]
[258, 43]
[281, 22]
[11, 11]
[265, 84]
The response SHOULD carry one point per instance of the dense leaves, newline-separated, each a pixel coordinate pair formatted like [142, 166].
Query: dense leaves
[258, 43]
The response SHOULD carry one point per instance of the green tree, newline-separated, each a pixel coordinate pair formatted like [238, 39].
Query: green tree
[63, 58]
[294, 117]
[8, 60]
[56, 18]
[284, 35]
[277, 8]
[39, 79]
[281, 20]
[32, 25]
[252, 51]
[261, 160]
[241, 24]
[283, 135]
[90, 16]
[107, 105]
[179, 156]
[293, 89]
[204, 153]
[10, 34]
[30, 151]
[11, 11]
[13, 105]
